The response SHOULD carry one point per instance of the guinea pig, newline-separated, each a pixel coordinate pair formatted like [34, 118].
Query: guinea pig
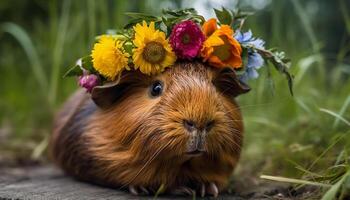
[181, 130]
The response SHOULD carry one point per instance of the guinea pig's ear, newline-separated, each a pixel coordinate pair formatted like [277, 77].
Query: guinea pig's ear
[105, 95]
[228, 83]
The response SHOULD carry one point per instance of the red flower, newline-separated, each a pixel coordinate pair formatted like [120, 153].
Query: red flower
[186, 39]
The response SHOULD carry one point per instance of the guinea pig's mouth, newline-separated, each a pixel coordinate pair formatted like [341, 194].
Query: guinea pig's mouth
[196, 152]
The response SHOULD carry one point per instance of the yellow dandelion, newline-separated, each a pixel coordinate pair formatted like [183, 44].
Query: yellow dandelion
[153, 52]
[108, 57]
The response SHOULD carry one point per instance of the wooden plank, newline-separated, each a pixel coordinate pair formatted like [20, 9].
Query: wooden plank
[47, 182]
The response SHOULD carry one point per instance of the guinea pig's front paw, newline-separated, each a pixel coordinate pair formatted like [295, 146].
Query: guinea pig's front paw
[138, 190]
[183, 190]
[205, 189]
[210, 189]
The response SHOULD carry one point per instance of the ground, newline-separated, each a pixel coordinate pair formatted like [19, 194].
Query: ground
[38, 181]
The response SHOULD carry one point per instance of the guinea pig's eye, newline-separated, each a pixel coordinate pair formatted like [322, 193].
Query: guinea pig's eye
[156, 89]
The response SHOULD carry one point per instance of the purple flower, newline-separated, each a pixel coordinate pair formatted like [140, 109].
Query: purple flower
[247, 38]
[186, 39]
[88, 81]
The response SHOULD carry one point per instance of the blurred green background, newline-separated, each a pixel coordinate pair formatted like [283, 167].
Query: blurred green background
[305, 136]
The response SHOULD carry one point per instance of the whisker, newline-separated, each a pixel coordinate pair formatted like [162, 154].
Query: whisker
[234, 141]
[258, 104]
[147, 163]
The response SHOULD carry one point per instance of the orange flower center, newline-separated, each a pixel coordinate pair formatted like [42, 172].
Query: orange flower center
[154, 53]
[223, 52]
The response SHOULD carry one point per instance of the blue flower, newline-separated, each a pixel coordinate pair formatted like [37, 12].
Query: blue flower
[243, 37]
[247, 38]
[255, 60]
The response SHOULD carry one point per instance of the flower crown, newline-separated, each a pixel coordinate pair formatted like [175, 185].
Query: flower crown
[150, 44]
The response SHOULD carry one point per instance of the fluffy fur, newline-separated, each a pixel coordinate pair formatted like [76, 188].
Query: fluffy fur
[141, 140]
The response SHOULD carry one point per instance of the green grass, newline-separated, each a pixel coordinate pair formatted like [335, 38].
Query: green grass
[301, 139]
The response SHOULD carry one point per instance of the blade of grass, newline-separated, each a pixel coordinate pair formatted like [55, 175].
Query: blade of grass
[92, 20]
[305, 20]
[303, 105]
[159, 191]
[342, 111]
[305, 64]
[333, 191]
[53, 20]
[302, 169]
[324, 152]
[342, 157]
[39, 149]
[119, 7]
[335, 115]
[24, 40]
[346, 15]
[58, 50]
[264, 121]
[295, 181]
[307, 25]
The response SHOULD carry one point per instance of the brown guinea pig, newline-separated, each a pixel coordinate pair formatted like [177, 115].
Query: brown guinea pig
[181, 130]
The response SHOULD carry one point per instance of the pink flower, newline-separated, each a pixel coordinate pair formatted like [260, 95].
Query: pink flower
[186, 39]
[88, 81]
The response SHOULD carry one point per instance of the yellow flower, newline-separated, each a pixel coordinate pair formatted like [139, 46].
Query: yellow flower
[108, 57]
[153, 52]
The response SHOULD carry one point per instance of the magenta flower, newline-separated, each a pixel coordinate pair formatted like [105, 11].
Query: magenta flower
[186, 39]
[88, 81]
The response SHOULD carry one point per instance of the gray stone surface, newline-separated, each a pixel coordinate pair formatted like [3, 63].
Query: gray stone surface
[48, 182]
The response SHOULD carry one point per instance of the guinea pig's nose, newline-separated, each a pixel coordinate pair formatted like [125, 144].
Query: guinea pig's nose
[209, 125]
[190, 125]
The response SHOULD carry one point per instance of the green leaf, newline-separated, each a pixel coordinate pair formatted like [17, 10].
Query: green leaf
[87, 64]
[78, 69]
[239, 14]
[134, 21]
[128, 46]
[163, 27]
[175, 16]
[179, 13]
[239, 17]
[139, 17]
[173, 13]
[277, 59]
[136, 15]
[283, 68]
[111, 32]
[74, 71]
[224, 16]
